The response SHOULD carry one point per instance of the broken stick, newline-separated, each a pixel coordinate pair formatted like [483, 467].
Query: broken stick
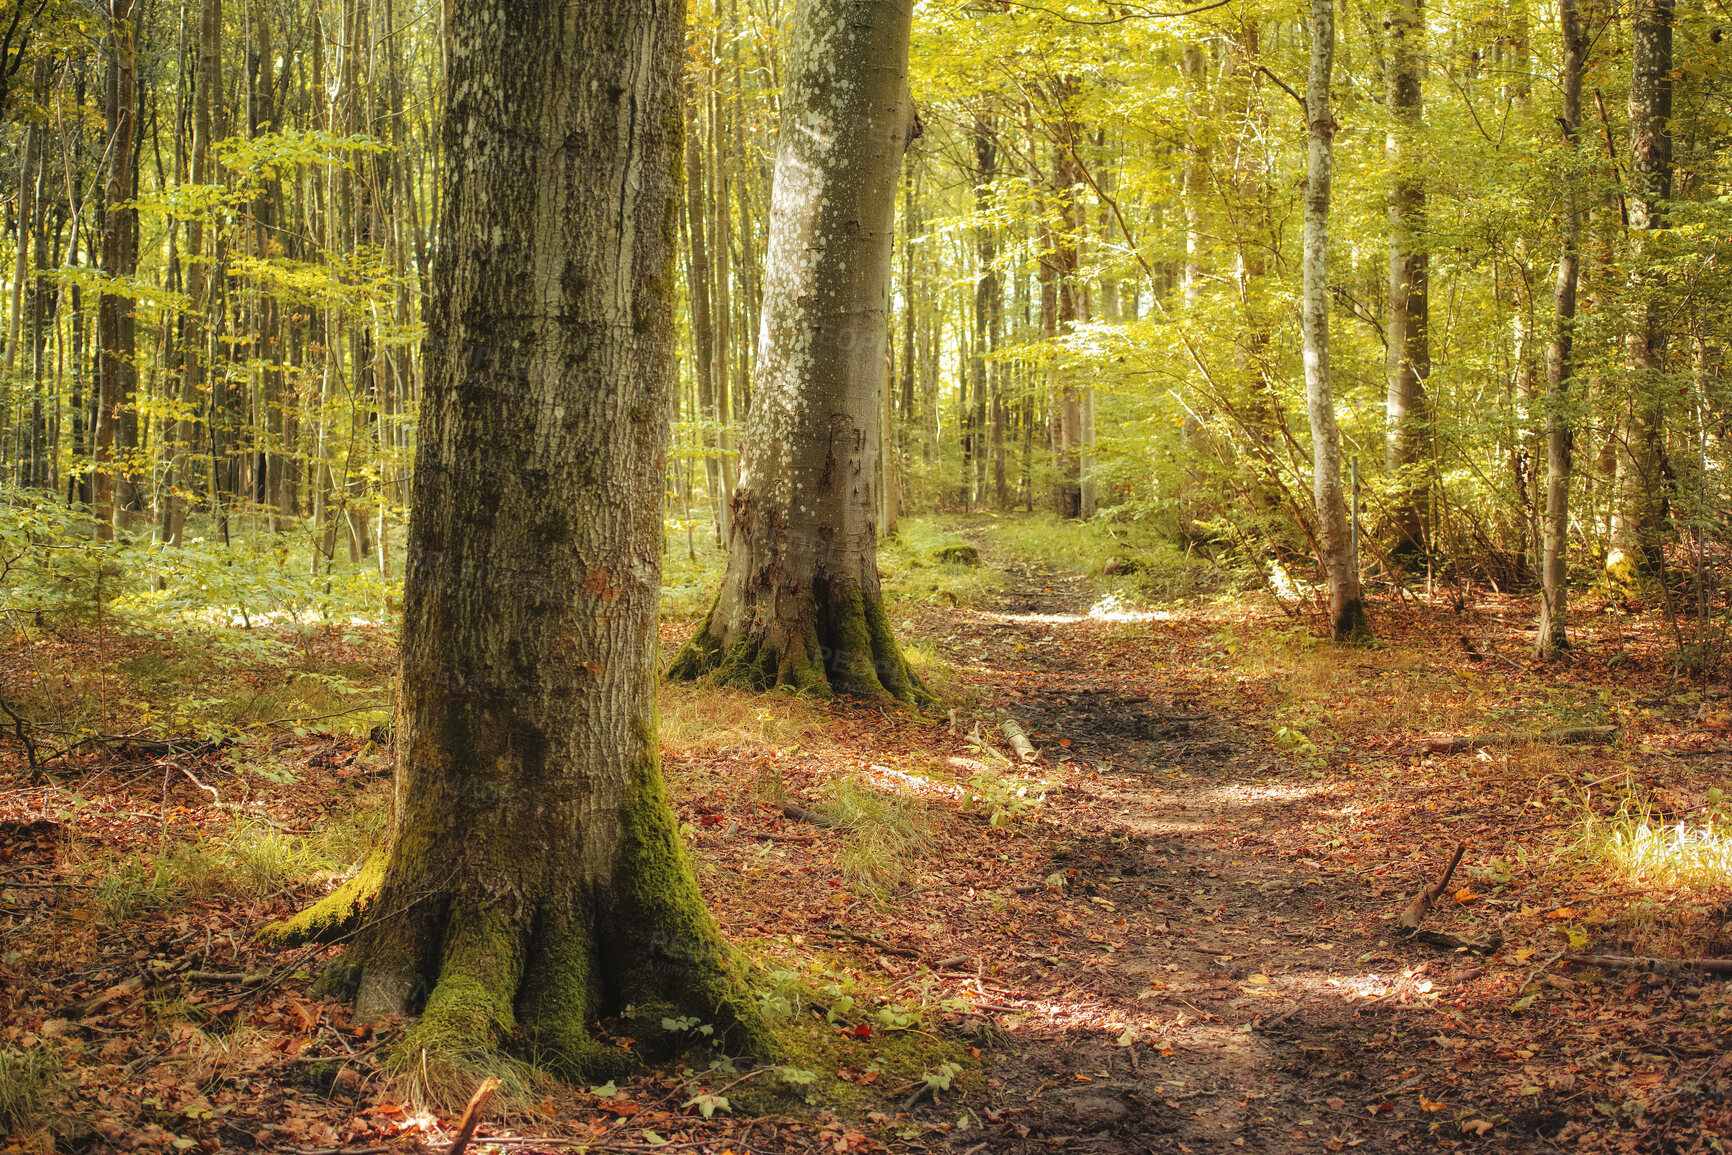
[1424, 900]
[472, 1114]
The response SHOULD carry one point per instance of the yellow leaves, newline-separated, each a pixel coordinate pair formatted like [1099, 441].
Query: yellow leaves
[1466, 895]
[1525, 953]
[1562, 912]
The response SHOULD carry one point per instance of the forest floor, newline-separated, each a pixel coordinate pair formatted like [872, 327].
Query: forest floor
[1174, 930]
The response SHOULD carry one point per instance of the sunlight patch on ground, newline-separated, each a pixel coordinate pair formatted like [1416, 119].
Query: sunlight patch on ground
[1108, 609]
[1234, 795]
[1037, 619]
[233, 617]
[1400, 986]
[894, 781]
[1113, 608]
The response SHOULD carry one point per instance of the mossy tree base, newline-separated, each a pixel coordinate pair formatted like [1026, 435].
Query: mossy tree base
[503, 956]
[835, 640]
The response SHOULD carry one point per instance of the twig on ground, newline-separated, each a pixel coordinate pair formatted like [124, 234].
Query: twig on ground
[876, 944]
[1426, 898]
[1537, 972]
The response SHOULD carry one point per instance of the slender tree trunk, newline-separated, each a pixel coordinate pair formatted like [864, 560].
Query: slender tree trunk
[800, 603]
[1409, 348]
[1346, 608]
[1196, 170]
[535, 879]
[115, 368]
[26, 214]
[192, 343]
[1067, 422]
[986, 294]
[699, 296]
[1560, 358]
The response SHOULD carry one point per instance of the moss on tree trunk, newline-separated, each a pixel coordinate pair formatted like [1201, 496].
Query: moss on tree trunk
[534, 882]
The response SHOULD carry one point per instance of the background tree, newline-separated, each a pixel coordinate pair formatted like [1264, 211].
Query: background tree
[1551, 634]
[800, 602]
[1346, 606]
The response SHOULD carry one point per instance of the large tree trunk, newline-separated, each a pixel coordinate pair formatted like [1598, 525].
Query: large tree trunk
[1346, 608]
[1409, 348]
[1641, 499]
[535, 878]
[800, 603]
[1560, 362]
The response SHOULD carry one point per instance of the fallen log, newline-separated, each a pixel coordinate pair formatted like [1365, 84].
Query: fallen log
[1578, 735]
[1447, 940]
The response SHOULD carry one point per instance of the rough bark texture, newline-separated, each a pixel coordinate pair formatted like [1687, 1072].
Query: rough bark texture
[535, 879]
[1641, 499]
[1346, 608]
[1560, 365]
[800, 604]
[1409, 350]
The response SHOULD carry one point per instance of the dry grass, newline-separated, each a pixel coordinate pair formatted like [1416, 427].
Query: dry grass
[699, 719]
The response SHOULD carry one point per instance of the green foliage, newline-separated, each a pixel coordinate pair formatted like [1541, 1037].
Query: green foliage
[1003, 798]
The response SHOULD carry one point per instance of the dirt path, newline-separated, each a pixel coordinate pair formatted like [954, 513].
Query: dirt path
[1194, 998]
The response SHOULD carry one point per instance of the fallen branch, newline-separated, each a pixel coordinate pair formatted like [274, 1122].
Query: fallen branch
[1459, 742]
[1018, 740]
[1424, 900]
[1537, 972]
[18, 724]
[875, 944]
[472, 1115]
[1448, 941]
[216, 799]
[1712, 966]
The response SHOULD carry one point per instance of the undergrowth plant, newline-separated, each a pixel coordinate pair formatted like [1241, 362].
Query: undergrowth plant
[29, 1082]
[885, 834]
[1639, 843]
